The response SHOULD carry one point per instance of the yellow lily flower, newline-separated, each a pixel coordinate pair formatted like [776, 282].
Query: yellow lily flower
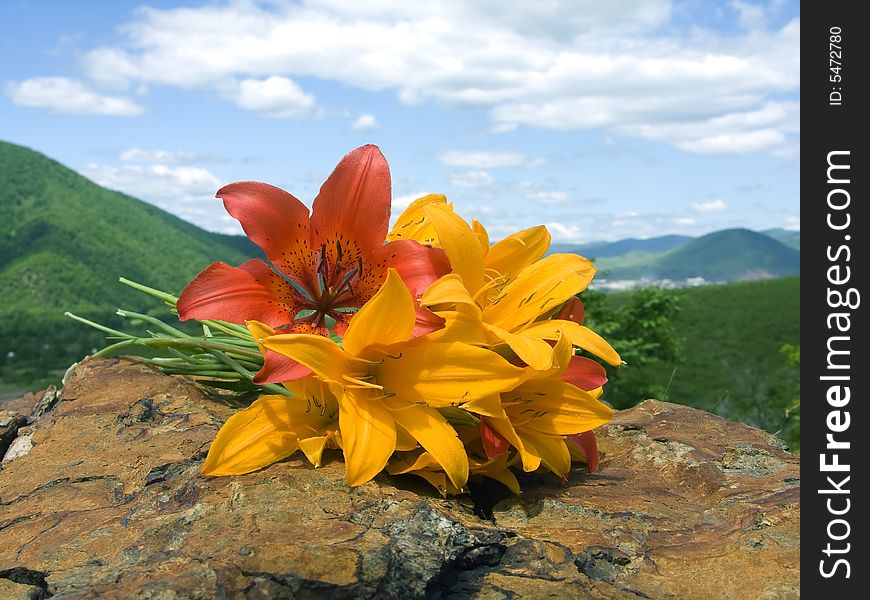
[385, 382]
[509, 303]
[423, 465]
[274, 427]
[535, 417]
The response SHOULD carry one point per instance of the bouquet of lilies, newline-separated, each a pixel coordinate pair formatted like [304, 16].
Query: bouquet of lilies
[420, 350]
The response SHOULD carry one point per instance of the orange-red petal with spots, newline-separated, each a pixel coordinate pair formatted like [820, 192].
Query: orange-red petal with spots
[251, 291]
[277, 222]
[419, 266]
[585, 373]
[350, 216]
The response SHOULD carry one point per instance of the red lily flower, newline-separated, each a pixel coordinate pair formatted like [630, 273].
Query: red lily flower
[336, 258]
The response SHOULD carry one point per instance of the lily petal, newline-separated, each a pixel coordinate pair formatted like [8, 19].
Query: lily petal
[460, 244]
[255, 437]
[449, 290]
[461, 325]
[419, 266]
[585, 373]
[533, 351]
[481, 234]
[413, 224]
[368, 433]
[552, 450]
[579, 335]
[539, 288]
[437, 437]
[320, 354]
[313, 448]
[276, 368]
[447, 374]
[350, 216]
[238, 294]
[554, 407]
[387, 318]
[572, 310]
[277, 222]
[587, 446]
[503, 426]
[518, 250]
[494, 444]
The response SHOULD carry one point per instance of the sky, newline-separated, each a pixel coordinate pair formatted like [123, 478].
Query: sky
[601, 120]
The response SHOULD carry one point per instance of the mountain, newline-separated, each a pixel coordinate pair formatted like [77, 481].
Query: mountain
[792, 239]
[64, 241]
[621, 247]
[727, 255]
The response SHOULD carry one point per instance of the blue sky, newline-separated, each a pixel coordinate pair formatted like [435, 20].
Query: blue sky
[601, 120]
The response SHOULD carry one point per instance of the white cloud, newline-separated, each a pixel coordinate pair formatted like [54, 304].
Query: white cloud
[481, 160]
[366, 122]
[64, 95]
[471, 179]
[562, 232]
[185, 191]
[276, 97]
[400, 203]
[687, 221]
[549, 197]
[793, 223]
[717, 205]
[139, 155]
[555, 64]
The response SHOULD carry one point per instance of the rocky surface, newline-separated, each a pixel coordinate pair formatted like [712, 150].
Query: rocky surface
[109, 503]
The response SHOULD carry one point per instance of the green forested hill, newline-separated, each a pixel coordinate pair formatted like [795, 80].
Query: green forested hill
[727, 255]
[64, 241]
[731, 361]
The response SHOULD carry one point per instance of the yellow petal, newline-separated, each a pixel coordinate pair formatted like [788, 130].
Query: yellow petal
[368, 435]
[387, 318]
[259, 331]
[459, 244]
[413, 224]
[320, 354]
[507, 478]
[579, 335]
[313, 448]
[518, 250]
[436, 479]
[449, 290]
[404, 440]
[255, 437]
[537, 289]
[447, 374]
[488, 406]
[461, 325]
[552, 450]
[555, 407]
[438, 438]
[405, 462]
[481, 234]
[504, 428]
[533, 351]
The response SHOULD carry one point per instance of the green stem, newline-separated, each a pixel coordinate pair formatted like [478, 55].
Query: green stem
[153, 320]
[97, 326]
[168, 298]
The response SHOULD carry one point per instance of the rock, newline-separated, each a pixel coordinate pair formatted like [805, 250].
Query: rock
[109, 503]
